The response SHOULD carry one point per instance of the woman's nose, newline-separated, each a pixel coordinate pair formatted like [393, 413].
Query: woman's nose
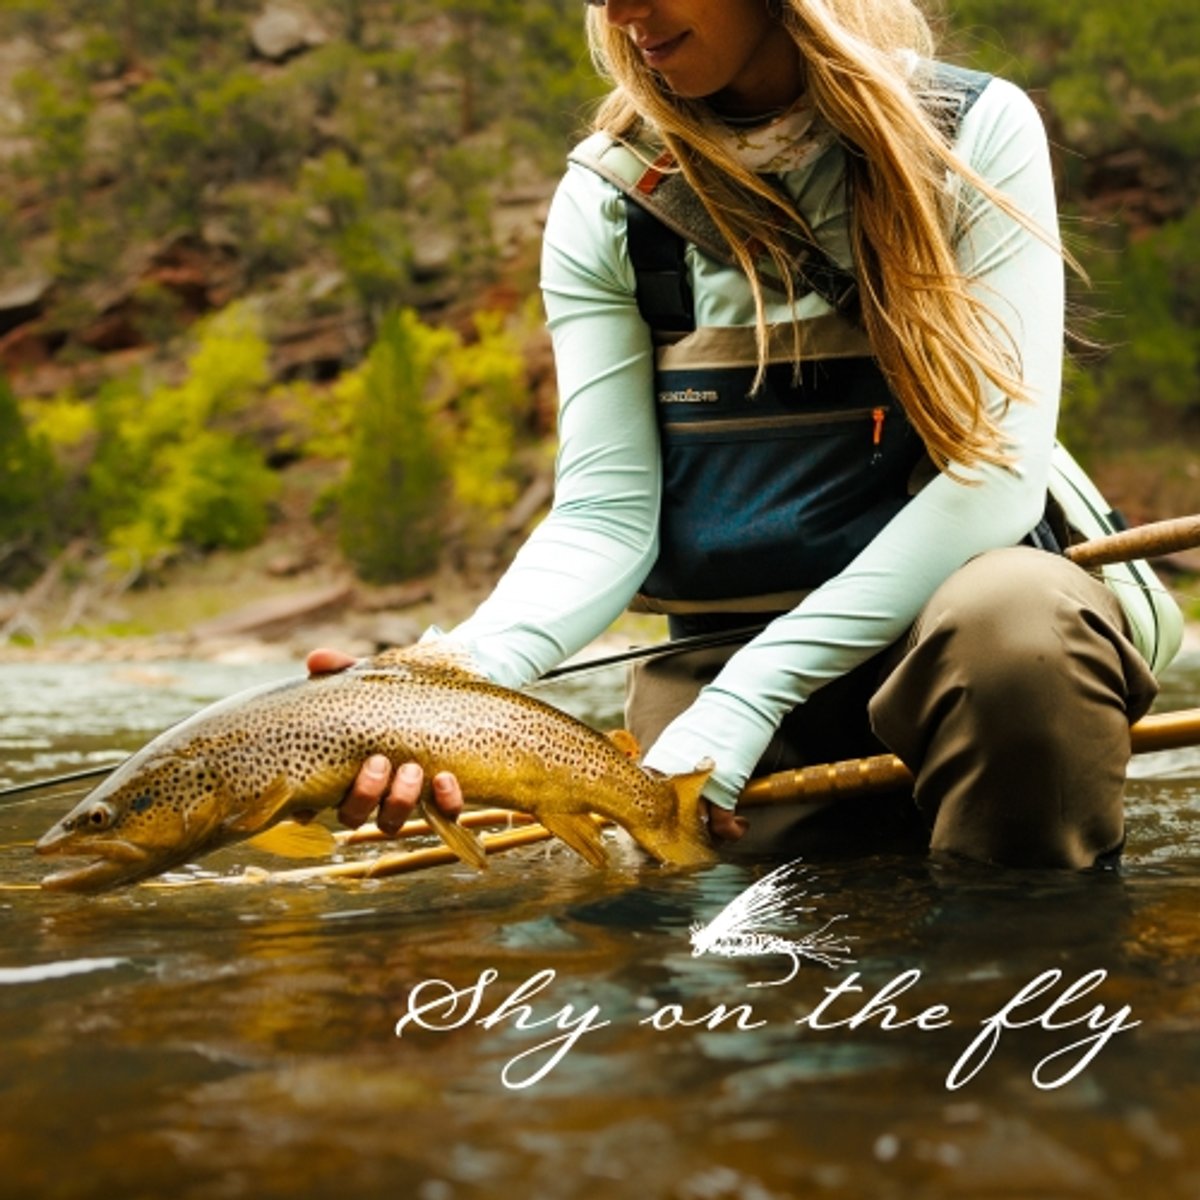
[622, 12]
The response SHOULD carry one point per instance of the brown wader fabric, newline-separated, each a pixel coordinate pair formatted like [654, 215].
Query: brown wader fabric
[1010, 700]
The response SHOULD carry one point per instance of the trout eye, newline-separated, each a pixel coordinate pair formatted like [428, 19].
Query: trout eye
[98, 818]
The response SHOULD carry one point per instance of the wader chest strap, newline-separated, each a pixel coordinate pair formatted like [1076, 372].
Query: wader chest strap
[663, 215]
[658, 254]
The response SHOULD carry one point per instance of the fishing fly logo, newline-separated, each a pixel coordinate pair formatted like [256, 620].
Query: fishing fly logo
[746, 925]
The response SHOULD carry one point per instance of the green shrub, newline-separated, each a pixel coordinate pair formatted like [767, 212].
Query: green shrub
[488, 381]
[28, 481]
[1154, 326]
[171, 467]
[209, 492]
[393, 498]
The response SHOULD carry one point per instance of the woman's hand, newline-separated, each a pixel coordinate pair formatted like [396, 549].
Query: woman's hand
[724, 825]
[376, 789]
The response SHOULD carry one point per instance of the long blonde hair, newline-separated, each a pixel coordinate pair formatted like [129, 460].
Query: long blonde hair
[936, 343]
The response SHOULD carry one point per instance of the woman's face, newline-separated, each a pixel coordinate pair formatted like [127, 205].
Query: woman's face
[729, 52]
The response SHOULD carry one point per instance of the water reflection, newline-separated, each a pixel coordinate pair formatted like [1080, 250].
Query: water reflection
[241, 1042]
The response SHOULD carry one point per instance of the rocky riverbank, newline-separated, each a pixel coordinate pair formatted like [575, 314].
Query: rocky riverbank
[232, 609]
[346, 615]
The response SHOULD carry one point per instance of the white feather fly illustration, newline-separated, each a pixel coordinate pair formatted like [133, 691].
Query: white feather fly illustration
[743, 927]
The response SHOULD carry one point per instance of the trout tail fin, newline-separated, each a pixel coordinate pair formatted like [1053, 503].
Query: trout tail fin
[690, 846]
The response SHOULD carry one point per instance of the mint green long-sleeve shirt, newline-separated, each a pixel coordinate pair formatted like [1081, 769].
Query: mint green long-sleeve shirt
[584, 563]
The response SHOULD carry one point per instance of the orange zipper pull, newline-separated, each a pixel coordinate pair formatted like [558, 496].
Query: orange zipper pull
[878, 416]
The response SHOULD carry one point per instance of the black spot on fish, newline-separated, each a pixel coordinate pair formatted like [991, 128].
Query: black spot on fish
[142, 802]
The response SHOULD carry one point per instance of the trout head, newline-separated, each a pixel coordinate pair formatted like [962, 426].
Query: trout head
[157, 810]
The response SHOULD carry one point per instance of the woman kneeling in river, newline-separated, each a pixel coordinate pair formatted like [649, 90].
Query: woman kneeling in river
[829, 409]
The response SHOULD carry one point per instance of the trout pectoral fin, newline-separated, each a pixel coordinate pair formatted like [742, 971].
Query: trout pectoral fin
[290, 839]
[264, 810]
[581, 833]
[626, 743]
[462, 841]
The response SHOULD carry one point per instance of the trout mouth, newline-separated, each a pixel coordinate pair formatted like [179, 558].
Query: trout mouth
[116, 861]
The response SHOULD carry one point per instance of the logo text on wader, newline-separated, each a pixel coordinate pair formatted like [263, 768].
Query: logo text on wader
[689, 396]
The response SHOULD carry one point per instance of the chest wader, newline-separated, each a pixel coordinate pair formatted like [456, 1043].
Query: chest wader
[765, 496]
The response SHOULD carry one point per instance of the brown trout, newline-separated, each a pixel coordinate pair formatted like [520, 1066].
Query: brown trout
[288, 749]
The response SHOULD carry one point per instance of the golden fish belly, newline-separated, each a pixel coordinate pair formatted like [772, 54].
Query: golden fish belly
[506, 749]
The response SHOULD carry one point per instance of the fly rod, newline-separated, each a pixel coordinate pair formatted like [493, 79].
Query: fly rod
[826, 782]
[817, 783]
[885, 772]
[1143, 541]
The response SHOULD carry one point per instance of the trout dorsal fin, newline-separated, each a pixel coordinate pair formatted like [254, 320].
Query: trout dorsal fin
[445, 656]
[626, 743]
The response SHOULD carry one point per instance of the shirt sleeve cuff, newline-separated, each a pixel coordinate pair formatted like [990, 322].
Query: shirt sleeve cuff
[676, 759]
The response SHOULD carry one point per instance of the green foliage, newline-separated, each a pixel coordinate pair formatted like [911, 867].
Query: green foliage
[489, 395]
[171, 469]
[10, 237]
[64, 421]
[57, 108]
[430, 424]
[28, 479]
[1154, 328]
[1113, 74]
[208, 492]
[346, 156]
[321, 420]
[372, 245]
[228, 365]
[393, 497]
[1116, 84]
[158, 312]
[200, 125]
[86, 249]
[1078, 422]
[271, 228]
[339, 186]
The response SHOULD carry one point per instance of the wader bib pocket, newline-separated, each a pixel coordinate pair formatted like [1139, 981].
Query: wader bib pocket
[776, 492]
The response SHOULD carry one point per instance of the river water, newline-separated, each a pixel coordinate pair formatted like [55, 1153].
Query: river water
[217, 1041]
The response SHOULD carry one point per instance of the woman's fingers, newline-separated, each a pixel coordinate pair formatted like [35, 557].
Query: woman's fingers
[368, 789]
[406, 790]
[724, 825]
[325, 661]
[397, 805]
[392, 798]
